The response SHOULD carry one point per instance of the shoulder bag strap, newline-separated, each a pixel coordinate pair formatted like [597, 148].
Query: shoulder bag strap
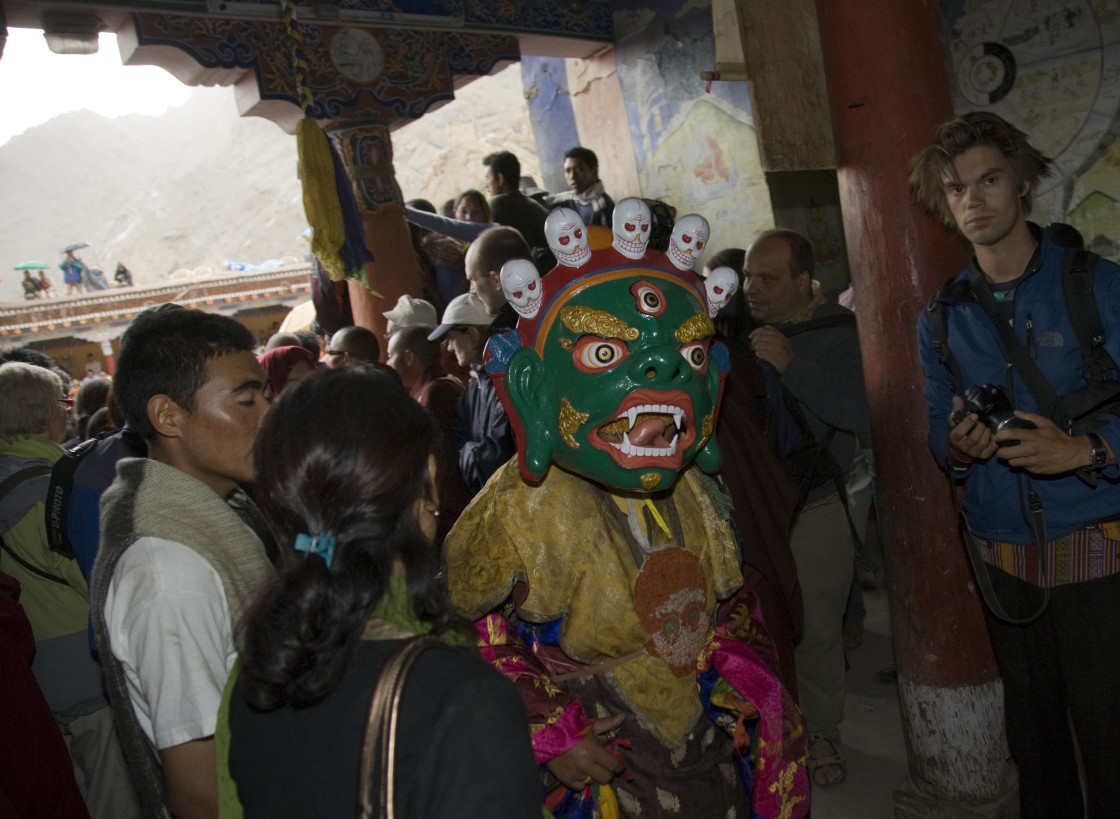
[26, 474]
[1032, 376]
[381, 728]
[980, 568]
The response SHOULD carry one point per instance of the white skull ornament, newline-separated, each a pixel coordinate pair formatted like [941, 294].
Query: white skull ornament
[567, 237]
[689, 237]
[631, 226]
[521, 284]
[720, 286]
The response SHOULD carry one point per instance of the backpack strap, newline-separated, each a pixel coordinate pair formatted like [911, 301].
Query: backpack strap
[1078, 267]
[939, 324]
[58, 497]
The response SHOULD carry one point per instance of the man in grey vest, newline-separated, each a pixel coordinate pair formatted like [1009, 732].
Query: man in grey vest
[178, 562]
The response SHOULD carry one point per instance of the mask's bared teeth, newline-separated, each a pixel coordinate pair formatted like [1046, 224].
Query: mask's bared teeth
[678, 418]
[632, 415]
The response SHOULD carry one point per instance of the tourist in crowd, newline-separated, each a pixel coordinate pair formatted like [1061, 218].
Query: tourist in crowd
[123, 276]
[33, 416]
[182, 548]
[92, 396]
[352, 499]
[73, 272]
[471, 206]
[286, 365]
[508, 205]
[585, 193]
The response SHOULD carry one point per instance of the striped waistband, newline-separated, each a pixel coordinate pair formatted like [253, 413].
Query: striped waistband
[1086, 554]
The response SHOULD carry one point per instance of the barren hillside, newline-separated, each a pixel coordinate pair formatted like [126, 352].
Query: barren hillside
[201, 185]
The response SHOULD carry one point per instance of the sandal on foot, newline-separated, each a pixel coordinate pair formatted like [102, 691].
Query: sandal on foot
[819, 763]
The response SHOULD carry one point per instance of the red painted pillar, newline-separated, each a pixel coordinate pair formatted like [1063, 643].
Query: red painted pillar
[888, 92]
[367, 151]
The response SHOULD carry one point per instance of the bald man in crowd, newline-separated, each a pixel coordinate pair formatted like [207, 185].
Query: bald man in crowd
[353, 345]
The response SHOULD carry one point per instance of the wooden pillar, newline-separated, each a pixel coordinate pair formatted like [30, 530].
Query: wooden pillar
[888, 92]
[367, 151]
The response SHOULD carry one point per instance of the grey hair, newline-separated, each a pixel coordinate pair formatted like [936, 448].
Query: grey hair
[26, 393]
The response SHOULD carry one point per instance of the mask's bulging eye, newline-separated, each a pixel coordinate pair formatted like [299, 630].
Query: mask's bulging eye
[651, 301]
[593, 354]
[696, 354]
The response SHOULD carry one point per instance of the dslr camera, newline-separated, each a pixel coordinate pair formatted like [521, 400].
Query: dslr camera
[993, 408]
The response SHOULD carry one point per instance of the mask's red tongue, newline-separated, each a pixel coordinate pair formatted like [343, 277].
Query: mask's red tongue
[650, 432]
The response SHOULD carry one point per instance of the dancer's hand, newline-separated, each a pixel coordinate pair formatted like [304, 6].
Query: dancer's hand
[588, 760]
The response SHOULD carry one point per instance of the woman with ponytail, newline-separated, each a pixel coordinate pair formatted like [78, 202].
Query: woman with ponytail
[350, 496]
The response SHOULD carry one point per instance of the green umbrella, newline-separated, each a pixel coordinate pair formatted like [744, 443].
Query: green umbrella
[32, 266]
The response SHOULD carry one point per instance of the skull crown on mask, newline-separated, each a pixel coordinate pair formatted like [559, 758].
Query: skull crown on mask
[720, 286]
[689, 237]
[567, 237]
[521, 284]
[631, 227]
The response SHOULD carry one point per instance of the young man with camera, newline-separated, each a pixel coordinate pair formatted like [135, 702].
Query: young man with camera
[1042, 504]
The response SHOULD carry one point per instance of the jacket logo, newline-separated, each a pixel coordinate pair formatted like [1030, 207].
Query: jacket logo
[1051, 339]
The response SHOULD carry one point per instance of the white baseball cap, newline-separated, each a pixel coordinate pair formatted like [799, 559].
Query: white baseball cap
[465, 309]
[410, 312]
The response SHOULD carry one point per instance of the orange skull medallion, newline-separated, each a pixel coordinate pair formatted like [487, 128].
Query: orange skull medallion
[671, 597]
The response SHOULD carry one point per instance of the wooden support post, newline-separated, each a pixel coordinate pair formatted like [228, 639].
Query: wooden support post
[367, 151]
[786, 80]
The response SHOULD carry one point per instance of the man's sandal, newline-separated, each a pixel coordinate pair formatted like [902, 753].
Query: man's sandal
[820, 763]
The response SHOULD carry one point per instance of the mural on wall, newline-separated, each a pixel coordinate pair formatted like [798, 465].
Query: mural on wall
[809, 202]
[1052, 67]
[695, 149]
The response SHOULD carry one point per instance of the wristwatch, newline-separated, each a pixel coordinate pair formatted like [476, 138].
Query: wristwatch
[1098, 458]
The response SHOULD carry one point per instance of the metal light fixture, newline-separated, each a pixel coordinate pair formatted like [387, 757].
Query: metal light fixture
[71, 32]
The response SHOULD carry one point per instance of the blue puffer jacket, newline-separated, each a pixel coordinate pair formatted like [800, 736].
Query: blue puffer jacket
[995, 493]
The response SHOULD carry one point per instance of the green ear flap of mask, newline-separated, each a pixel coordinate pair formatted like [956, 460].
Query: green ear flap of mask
[708, 457]
[532, 397]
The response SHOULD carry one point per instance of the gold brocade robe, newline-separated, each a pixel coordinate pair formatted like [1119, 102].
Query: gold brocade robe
[562, 541]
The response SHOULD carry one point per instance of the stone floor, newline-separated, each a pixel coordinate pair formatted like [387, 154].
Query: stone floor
[872, 744]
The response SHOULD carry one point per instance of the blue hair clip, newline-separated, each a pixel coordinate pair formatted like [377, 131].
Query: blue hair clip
[322, 545]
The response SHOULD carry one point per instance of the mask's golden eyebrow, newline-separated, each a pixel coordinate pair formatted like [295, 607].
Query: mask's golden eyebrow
[695, 327]
[582, 320]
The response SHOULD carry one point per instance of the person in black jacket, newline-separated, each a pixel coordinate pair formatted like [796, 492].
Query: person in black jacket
[353, 503]
[480, 431]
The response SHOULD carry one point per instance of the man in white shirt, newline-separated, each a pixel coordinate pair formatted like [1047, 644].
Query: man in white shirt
[179, 559]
